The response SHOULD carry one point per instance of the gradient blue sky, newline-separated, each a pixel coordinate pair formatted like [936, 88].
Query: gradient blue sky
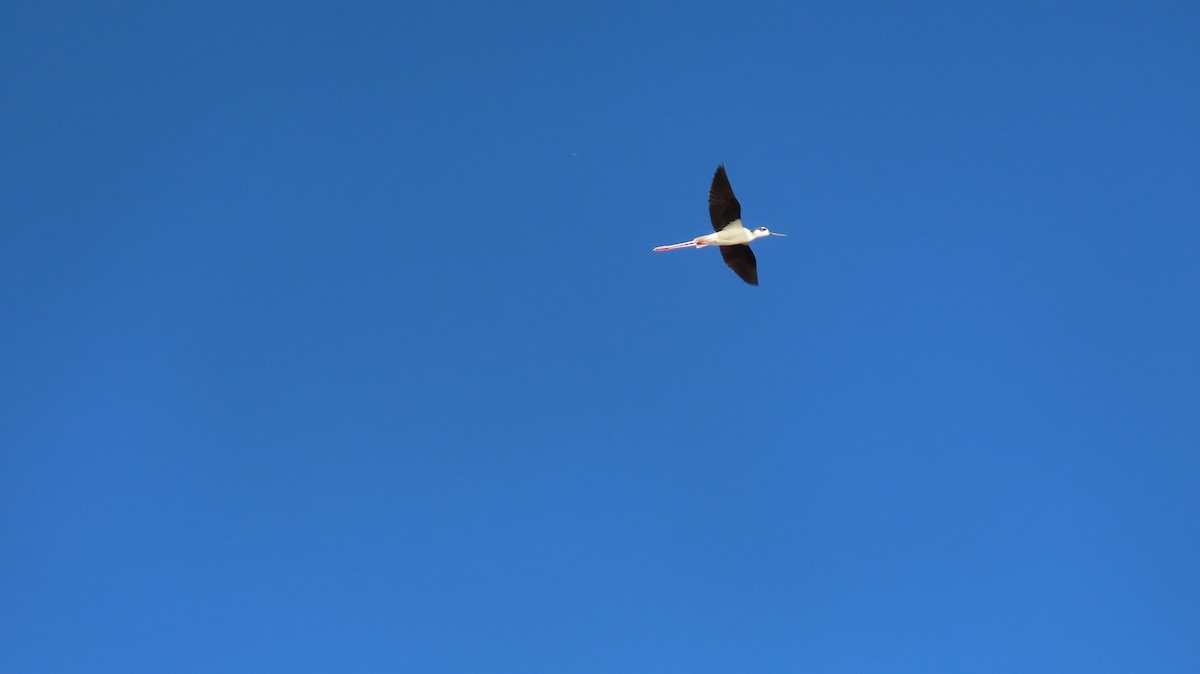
[332, 339]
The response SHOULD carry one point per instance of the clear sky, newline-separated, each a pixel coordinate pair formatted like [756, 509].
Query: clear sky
[333, 341]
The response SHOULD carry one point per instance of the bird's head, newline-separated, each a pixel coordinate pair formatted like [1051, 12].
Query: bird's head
[763, 231]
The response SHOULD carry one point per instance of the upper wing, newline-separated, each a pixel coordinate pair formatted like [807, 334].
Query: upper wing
[741, 260]
[723, 207]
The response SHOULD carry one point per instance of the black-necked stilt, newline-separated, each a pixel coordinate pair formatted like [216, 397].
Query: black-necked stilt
[731, 236]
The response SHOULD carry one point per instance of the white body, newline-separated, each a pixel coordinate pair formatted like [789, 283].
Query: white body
[731, 235]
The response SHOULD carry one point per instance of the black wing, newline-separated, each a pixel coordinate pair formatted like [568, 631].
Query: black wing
[723, 207]
[741, 260]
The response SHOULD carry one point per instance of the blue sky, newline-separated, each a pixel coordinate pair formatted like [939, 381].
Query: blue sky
[333, 340]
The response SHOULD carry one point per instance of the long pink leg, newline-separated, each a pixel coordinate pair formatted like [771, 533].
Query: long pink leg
[685, 244]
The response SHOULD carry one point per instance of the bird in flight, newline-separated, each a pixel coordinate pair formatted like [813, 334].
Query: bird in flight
[731, 235]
